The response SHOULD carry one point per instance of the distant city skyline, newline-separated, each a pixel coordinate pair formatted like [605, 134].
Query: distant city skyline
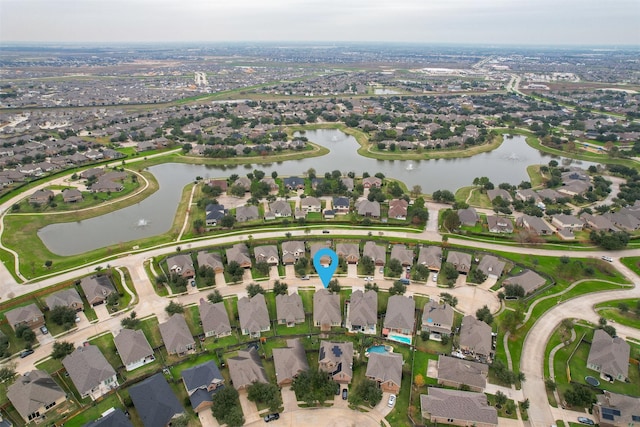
[499, 22]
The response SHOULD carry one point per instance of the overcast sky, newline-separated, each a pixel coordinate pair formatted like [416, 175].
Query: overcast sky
[520, 22]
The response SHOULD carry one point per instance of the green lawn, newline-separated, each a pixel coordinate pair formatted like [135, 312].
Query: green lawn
[610, 311]
[108, 349]
[152, 331]
[93, 412]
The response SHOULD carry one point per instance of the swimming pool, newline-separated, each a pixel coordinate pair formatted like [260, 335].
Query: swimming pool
[400, 338]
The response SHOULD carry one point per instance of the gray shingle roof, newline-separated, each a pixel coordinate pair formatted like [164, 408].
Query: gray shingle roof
[400, 313]
[116, 418]
[32, 391]
[246, 368]
[155, 402]
[87, 368]
[475, 335]
[212, 260]
[461, 371]
[402, 254]
[376, 252]
[201, 376]
[289, 308]
[65, 298]
[96, 288]
[23, 314]
[176, 335]
[491, 265]
[132, 346]
[459, 405]
[214, 317]
[290, 361]
[363, 308]
[385, 367]
[529, 280]
[253, 313]
[438, 317]
[610, 354]
[326, 308]
[337, 354]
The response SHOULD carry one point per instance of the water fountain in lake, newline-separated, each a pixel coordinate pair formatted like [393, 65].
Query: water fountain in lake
[142, 223]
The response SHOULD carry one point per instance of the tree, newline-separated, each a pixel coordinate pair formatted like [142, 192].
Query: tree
[623, 307]
[419, 380]
[237, 190]
[181, 421]
[4, 346]
[484, 314]
[226, 407]
[214, 297]
[174, 308]
[580, 395]
[398, 288]
[366, 391]
[448, 299]
[444, 196]
[227, 221]
[112, 299]
[7, 372]
[265, 393]
[395, 267]
[368, 266]
[235, 271]
[262, 268]
[280, 288]
[62, 315]
[501, 399]
[450, 220]
[130, 322]
[61, 349]
[313, 386]
[254, 289]
[550, 384]
[416, 190]
[26, 334]
[334, 286]
[48, 263]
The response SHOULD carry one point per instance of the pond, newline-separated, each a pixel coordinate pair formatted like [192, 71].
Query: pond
[155, 214]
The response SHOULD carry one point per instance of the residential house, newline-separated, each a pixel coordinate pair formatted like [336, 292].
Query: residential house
[371, 182]
[499, 192]
[90, 372]
[336, 358]
[623, 221]
[181, 265]
[133, 348]
[311, 204]
[97, 288]
[550, 194]
[499, 224]
[616, 410]
[368, 208]
[201, 382]
[437, 319]
[535, 225]
[240, 254]
[400, 317]
[266, 253]
[71, 195]
[273, 186]
[398, 209]
[348, 183]
[609, 356]
[402, 254]
[326, 310]
[29, 315]
[246, 368]
[299, 214]
[349, 251]
[280, 208]
[468, 217]
[212, 260]
[329, 214]
[491, 266]
[254, 317]
[460, 260]
[574, 187]
[567, 222]
[289, 309]
[598, 223]
[214, 214]
[247, 213]
[325, 260]
[362, 312]
[111, 418]
[430, 257]
[34, 394]
[176, 335]
[155, 402]
[243, 182]
[386, 370]
[341, 205]
[476, 339]
[214, 318]
[293, 183]
[292, 251]
[376, 252]
[289, 361]
[527, 194]
[65, 298]
[528, 279]
[454, 372]
[456, 407]
[41, 197]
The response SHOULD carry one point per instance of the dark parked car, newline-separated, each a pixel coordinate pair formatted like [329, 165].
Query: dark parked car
[585, 420]
[271, 417]
[25, 353]
[325, 231]
[345, 394]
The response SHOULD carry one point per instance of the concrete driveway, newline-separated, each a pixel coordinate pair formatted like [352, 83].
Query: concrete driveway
[220, 280]
[102, 312]
[289, 400]
[249, 409]
[324, 417]
[273, 273]
[207, 419]
[352, 270]
[382, 407]
[289, 272]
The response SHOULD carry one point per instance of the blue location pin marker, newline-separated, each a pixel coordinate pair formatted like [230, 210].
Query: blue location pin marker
[325, 272]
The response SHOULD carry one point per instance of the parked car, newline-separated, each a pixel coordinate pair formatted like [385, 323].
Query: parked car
[325, 231]
[26, 353]
[77, 319]
[345, 394]
[607, 258]
[271, 417]
[585, 420]
[392, 401]
[405, 281]
[366, 279]
[435, 277]
[44, 330]
[304, 278]
[381, 271]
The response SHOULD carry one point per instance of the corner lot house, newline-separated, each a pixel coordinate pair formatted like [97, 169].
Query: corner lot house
[90, 372]
[362, 312]
[529, 280]
[437, 319]
[454, 372]
[254, 317]
[34, 394]
[336, 359]
[29, 315]
[97, 288]
[133, 348]
[616, 410]
[176, 335]
[155, 402]
[609, 356]
[289, 309]
[65, 298]
[460, 408]
[246, 368]
[475, 339]
[326, 310]
[290, 361]
[214, 318]
[386, 370]
[202, 382]
[181, 265]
